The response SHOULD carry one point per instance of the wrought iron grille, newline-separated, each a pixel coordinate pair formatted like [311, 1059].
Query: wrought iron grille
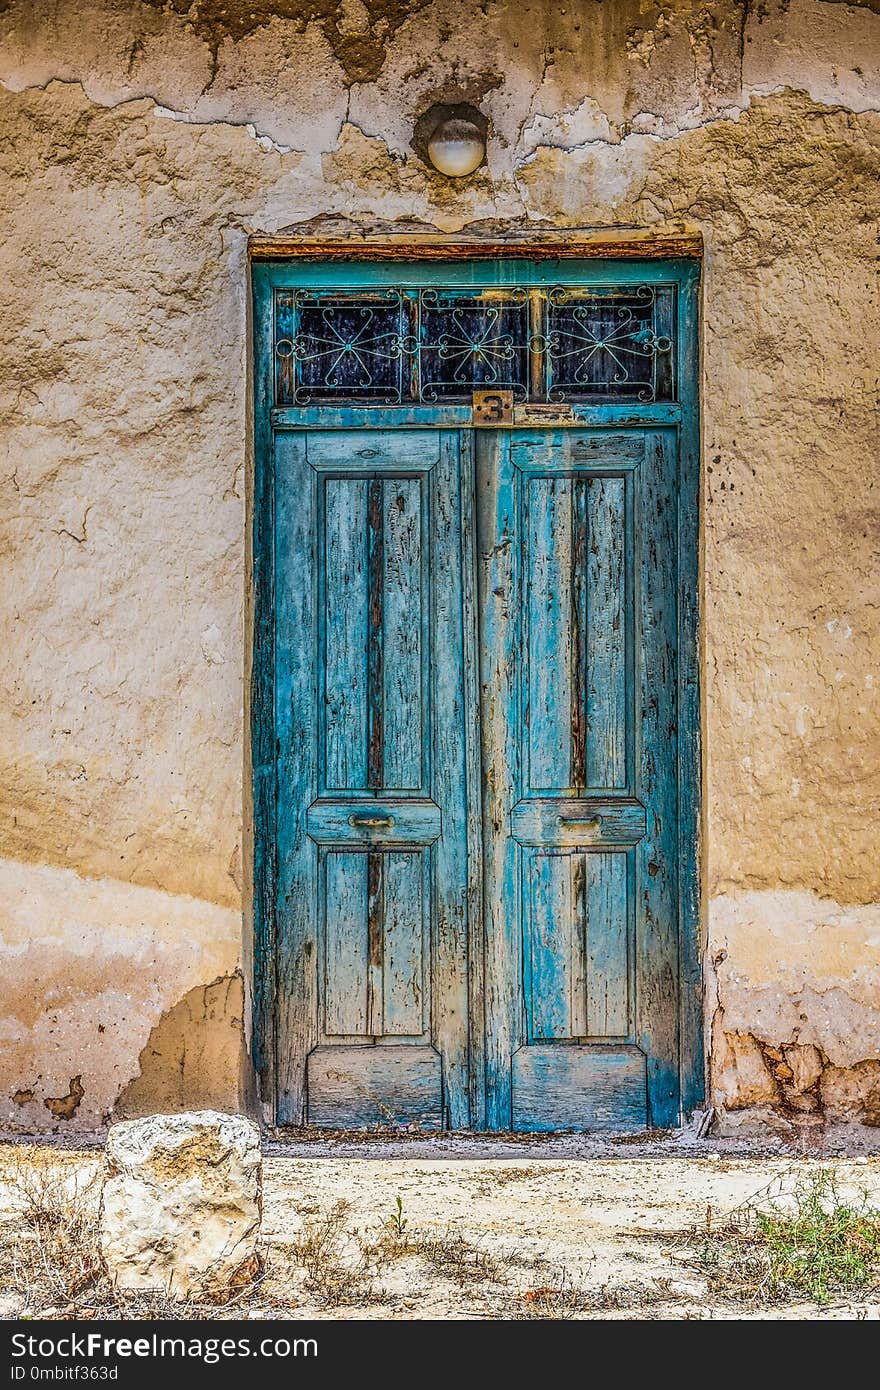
[609, 346]
[391, 346]
[473, 342]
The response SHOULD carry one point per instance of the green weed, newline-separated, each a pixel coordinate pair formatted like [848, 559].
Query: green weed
[813, 1246]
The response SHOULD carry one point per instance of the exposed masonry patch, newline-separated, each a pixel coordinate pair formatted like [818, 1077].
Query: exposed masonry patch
[195, 1055]
[358, 35]
[797, 1082]
[65, 1107]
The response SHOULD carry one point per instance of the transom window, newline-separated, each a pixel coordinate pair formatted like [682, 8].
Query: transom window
[391, 346]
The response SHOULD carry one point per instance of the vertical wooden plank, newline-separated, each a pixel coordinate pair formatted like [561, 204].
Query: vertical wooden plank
[606, 634]
[691, 943]
[449, 719]
[666, 363]
[375, 635]
[607, 915]
[548, 929]
[261, 692]
[296, 724]
[344, 562]
[537, 341]
[402, 671]
[346, 953]
[577, 634]
[404, 945]
[657, 963]
[375, 941]
[472, 847]
[499, 543]
[549, 619]
[578, 863]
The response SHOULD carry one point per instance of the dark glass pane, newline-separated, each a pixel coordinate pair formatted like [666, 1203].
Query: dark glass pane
[388, 346]
[610, 344]
[473, 341]
[340, 346]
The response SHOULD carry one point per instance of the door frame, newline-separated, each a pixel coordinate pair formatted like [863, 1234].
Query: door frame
[628, 255]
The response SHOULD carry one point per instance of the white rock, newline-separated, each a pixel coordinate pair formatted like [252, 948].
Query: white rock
[182, 1203]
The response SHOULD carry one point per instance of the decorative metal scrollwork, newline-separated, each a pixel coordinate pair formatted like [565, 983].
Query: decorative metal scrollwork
[392, 346]
[604, 345]
[338, 346]
[469, 342]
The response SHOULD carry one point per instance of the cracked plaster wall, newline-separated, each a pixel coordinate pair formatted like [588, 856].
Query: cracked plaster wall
[142, 143]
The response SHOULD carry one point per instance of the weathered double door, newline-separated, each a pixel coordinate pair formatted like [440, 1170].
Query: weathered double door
[477, 712]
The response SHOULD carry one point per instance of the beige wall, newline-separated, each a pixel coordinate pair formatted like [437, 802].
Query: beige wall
[143, 142]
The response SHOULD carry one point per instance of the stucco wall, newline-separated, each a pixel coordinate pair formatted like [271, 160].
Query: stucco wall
[142, 143]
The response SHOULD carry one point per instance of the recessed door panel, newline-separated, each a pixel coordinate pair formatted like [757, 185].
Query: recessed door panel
[575, 613]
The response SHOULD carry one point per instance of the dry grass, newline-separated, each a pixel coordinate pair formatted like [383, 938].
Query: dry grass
[340, 1266]
[456, 1258]
[806, 1244]
[449, 1253]
[50, 1253]
[563, 1300]
[559, 1300]
[343, 1265]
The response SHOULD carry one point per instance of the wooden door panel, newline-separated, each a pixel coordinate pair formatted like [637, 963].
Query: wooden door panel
[373, 640]
[365, 1087]
[606, 915]
[553, 972]
[345, 628]
[374, 974]
[601, 507]
[596, 1087]
[578, 595]
[553, 665]
[346, 993]
[405, 945]
[576, 632]
[373, 868]
[402, 586]
[576, 910]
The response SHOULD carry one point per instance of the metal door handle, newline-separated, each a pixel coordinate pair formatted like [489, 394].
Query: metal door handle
[371, 822]
[590, 823]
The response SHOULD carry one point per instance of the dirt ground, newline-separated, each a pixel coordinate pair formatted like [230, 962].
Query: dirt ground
[437, 1229]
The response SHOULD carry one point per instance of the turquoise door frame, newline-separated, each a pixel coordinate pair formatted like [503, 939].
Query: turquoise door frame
[496, 1050]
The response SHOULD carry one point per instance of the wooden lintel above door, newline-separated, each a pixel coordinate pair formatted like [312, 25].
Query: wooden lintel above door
[340, 240]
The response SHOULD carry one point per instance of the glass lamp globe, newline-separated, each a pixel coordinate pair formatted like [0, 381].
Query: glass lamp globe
[456, 148]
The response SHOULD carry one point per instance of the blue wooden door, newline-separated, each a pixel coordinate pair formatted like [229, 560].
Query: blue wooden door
[578, 659]
[374, 636]
[476, 731]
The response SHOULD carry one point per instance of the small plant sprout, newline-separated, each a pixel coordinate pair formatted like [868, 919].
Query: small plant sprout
[397, 1222]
